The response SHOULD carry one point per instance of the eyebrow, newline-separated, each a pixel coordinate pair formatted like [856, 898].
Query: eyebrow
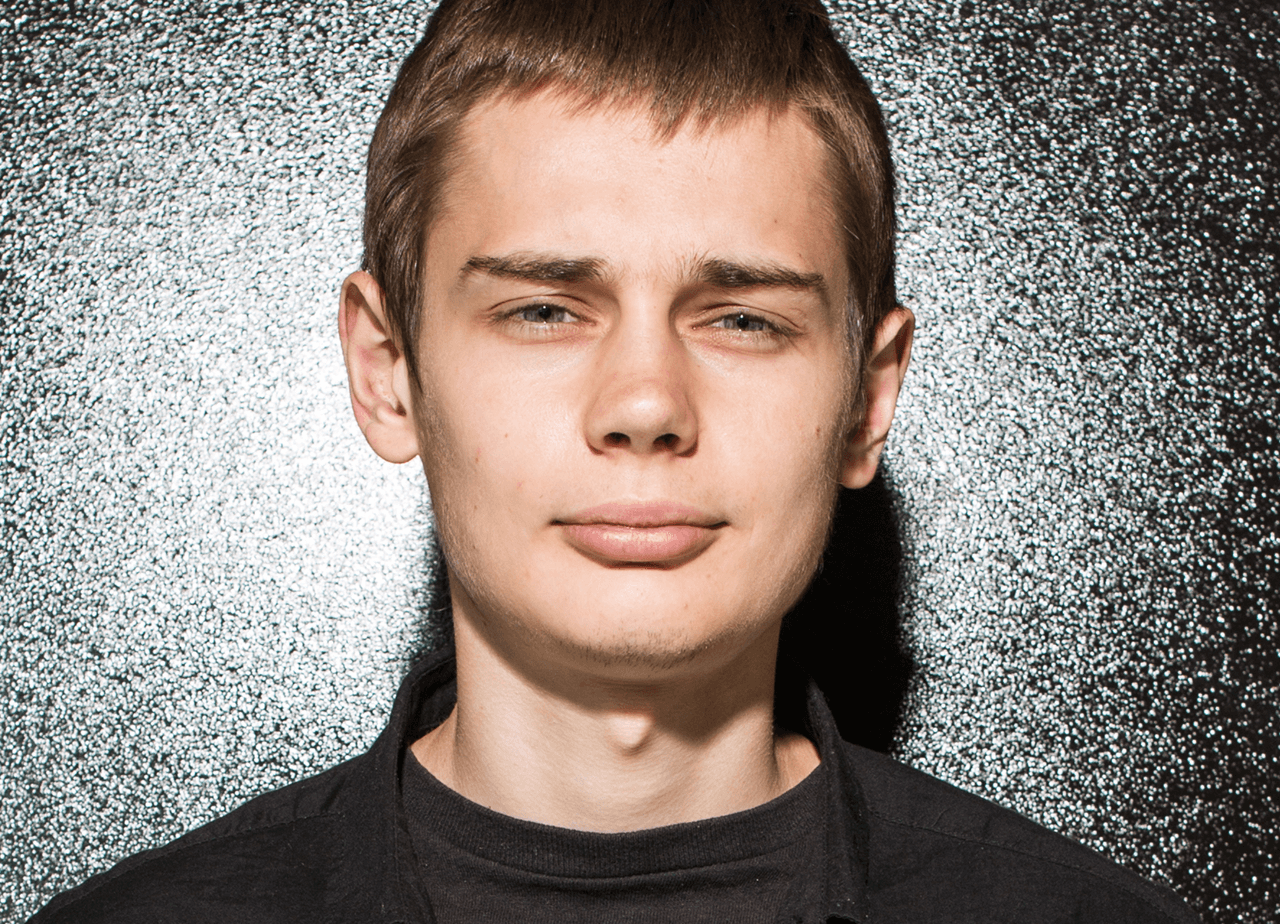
[533, 268]
[733, 274]
[710, 271]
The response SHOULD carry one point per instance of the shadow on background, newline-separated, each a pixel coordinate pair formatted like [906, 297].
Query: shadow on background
[845, 631]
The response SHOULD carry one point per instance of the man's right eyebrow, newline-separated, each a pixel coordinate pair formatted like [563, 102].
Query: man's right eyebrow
[537, 268]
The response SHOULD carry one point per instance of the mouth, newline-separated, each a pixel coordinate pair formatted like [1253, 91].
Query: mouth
[656, 534]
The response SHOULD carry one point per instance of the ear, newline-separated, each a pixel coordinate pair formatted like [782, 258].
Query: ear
[376, 370]
[881, 382]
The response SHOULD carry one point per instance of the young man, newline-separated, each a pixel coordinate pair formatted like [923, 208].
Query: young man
[628, 294]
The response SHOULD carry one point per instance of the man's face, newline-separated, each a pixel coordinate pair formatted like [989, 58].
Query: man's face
[634, 380]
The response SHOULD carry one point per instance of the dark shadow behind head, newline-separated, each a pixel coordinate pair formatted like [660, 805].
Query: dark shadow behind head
[845, 631]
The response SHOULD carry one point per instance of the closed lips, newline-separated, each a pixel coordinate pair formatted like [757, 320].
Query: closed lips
[640, 533]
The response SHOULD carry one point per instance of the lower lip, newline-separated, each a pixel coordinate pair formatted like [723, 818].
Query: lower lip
[636, 545]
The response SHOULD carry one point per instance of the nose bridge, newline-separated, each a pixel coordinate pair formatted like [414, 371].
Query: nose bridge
[643, 401]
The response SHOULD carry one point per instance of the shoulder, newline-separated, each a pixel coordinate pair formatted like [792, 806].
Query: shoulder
[987, 863]
[282, 850]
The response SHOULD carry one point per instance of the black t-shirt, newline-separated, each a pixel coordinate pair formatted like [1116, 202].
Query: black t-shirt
[897, 847]
[480, 866]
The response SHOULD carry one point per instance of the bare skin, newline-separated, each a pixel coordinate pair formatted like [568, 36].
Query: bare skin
[633, 423]
[612, 756]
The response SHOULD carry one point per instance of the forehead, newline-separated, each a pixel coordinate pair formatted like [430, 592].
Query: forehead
[551, 171]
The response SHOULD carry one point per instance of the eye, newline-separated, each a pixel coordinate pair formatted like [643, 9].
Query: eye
[543, 314]
[742, 321]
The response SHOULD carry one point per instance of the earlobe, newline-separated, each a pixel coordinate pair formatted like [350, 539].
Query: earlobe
[376, 370]
[881, 384]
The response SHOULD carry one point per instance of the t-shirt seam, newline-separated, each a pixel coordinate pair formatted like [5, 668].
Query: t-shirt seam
[109, 876]
[800, 835]
[1025, 853]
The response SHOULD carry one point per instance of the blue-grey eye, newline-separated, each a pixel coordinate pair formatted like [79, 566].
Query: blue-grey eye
[743, 322]
[544, 314]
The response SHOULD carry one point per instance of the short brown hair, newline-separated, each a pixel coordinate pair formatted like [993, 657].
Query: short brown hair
[709, 60]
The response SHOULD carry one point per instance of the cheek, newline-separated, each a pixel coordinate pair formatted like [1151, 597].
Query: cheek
[488, 442]
[798, 434]
[789, 450]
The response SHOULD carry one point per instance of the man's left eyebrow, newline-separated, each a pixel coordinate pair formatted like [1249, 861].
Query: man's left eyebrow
[733, 274]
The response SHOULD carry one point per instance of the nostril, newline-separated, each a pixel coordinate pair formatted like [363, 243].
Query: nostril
[668, 440]
[617, 439]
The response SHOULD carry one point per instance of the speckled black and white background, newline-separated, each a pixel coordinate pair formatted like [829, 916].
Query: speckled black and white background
[209, 585]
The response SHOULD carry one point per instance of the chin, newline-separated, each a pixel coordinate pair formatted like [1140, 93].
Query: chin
[629, 625]
[641, 654]
[633, 646]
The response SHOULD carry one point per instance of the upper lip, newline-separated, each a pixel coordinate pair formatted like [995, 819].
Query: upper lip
[642, 514]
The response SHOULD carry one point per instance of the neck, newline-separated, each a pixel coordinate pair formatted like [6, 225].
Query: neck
[575, 747]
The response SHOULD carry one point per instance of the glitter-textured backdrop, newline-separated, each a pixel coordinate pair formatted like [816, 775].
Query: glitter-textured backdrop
[209, 586]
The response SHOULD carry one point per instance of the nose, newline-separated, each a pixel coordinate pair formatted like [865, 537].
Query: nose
[642, 401]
